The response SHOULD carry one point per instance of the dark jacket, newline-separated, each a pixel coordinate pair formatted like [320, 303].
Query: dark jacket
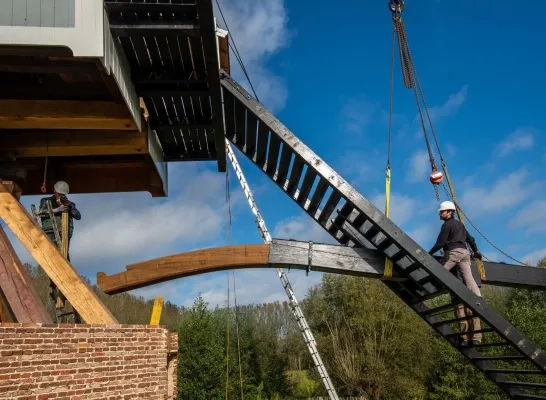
[453, 235]
[73, 214]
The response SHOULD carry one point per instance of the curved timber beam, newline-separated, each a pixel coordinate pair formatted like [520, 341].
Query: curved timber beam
[297, 255]
[278, 254]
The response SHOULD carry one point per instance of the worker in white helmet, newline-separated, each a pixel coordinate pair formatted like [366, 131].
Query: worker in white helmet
[60, 204]
[452, 239]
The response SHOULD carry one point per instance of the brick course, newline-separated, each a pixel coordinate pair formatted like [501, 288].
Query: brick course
[72, 362]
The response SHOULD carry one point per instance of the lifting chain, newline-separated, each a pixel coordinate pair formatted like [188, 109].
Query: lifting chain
[411, 81]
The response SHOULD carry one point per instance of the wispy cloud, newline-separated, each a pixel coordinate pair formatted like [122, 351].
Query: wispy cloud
[402, 207]
[358, 113]
[531, 218]
[505, 193]
[437, 112]
[519, 140]
[533, 257]
[301, 227]
[453, 103]
[418, 166]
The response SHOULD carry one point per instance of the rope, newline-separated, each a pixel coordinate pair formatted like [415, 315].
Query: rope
[236, 51]
[228, 198]
[387, 274]
[227, 339]
[230, 241]
[238, 341]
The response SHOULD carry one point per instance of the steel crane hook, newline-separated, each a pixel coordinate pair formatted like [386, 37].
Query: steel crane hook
[396, 6]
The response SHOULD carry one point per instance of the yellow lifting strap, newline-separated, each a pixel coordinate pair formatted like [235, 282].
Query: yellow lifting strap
[64, 234]
[387, 274]
[156, 311]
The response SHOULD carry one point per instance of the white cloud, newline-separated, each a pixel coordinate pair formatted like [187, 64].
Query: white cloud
[259, 30]
[519, 140]
[532, 218]
[450, 150]
[419, 166]
[425, 235]
[450, 107]
[402, 207]
[438, 112]
[503, 194]
[491, 256]
[302, 227]
[258, 285]
[121, 228]
[533, 257]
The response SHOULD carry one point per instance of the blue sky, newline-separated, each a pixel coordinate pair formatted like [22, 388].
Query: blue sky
[324, 71]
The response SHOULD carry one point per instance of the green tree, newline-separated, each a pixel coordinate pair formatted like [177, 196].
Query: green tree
[371, 342]
[201, 356]
[302, 386]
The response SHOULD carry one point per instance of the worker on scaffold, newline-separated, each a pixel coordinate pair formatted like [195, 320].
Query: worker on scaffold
[64, 212]
[452, 239]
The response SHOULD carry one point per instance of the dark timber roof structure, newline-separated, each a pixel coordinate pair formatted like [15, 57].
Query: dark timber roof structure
[171, 47]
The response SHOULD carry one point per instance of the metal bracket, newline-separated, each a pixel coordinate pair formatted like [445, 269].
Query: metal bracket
[309, 258]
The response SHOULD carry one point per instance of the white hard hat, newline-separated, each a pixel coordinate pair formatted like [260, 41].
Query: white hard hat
[447, 205]
[61, 187]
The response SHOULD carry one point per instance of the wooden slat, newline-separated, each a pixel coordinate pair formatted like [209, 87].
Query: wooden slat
[137, 174]
[61, 114]
[17, 287]
[81, 296]
[62, 143]
[89, 91]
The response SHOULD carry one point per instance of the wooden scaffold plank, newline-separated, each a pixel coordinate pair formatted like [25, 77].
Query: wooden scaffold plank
[64, 114]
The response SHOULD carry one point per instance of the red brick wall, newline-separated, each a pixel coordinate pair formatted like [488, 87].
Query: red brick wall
[73, 362]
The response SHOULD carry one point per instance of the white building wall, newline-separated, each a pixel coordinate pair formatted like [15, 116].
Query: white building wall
[77, 24]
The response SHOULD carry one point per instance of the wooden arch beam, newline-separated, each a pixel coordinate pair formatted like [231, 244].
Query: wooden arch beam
[297, 255]
[279, 254]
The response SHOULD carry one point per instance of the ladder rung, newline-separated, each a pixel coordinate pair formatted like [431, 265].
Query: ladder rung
[515, 371]
[485, 330]
[507, 358]
[529, 396]
[525, 384]
[438, 310]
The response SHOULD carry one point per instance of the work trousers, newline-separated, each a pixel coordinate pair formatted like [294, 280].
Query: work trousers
[51, 235]
[460, 258]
